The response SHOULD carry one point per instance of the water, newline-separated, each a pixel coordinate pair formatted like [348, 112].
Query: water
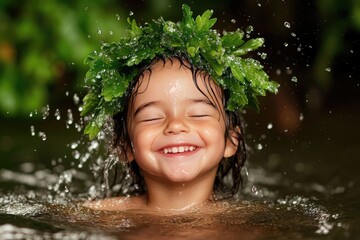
[231, 219]
[300, 185]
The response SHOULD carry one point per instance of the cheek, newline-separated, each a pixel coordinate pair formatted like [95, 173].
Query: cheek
[142, 139]
[214, 134]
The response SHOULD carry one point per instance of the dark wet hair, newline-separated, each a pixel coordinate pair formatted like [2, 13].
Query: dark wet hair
[228, 178]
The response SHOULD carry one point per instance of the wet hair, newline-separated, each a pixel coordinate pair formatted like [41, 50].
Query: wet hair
[228, 178]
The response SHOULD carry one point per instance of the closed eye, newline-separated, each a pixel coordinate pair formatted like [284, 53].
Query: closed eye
[200, 115]
[151, 119]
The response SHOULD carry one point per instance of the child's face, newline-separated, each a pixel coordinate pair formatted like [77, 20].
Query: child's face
[177, 134]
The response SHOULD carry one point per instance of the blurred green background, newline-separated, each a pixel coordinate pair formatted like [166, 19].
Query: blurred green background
[43, 43]
[312, 50]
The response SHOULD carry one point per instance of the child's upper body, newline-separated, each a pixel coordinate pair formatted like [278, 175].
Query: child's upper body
[178, 126]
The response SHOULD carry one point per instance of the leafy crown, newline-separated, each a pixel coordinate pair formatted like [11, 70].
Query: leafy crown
[113, 67]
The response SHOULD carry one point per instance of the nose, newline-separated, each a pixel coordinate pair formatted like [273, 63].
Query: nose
[176, 126]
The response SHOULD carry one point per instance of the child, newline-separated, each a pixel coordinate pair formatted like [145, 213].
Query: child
[175, 91]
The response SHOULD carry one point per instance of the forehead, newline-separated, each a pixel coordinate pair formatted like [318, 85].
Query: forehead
[174, 78]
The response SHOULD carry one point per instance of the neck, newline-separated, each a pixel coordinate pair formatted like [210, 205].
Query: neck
[170, 196]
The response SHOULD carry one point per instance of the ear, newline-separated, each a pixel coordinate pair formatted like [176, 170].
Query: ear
[232, 143]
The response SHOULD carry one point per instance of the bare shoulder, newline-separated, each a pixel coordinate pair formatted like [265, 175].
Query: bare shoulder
[117, 203]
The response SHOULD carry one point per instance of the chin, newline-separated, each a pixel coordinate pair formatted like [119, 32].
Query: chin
[180, 177]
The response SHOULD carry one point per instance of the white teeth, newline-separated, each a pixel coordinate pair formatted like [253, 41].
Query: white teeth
[180, 149]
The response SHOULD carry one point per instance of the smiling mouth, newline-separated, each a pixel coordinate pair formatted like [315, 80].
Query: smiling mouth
[180, 149]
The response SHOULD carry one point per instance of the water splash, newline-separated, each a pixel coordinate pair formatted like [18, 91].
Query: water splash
[249, 30]
[45, 111]
[323, 217]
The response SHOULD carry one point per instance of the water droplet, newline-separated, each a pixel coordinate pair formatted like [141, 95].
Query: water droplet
[74, 145]
[263, 55]
[249, 29]
[233, 20]
[278, 71]
[31, 114]
[293, 34]
[259, 4]
[76, 154]
[99, 31]
[286, 44]
[131, 13]
[328, 69]
[67, 93]
[57, 114]
[117, 16]
[301, 117]
[259, 146]
[86, 8]
[270, 126]
[287, 24]
[42, 135]
[32, 130]
[78, 127]
[294, 79]
[70, 118]
[111, 32]
[288, 71]
[255, 190]
[76, 99]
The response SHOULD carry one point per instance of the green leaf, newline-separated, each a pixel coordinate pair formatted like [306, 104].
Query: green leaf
[233, 39]
[94, 126]
[238, 97]
[249, 46]
[191, 51]
[187, 19]
[114, 85]
[90, 102]
[134, 29]
[218, 68]
[92, 130]
[237, 72]
[204, 23]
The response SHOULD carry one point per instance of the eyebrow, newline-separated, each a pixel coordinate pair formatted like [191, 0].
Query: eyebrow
[144, 105]
[202, 100]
